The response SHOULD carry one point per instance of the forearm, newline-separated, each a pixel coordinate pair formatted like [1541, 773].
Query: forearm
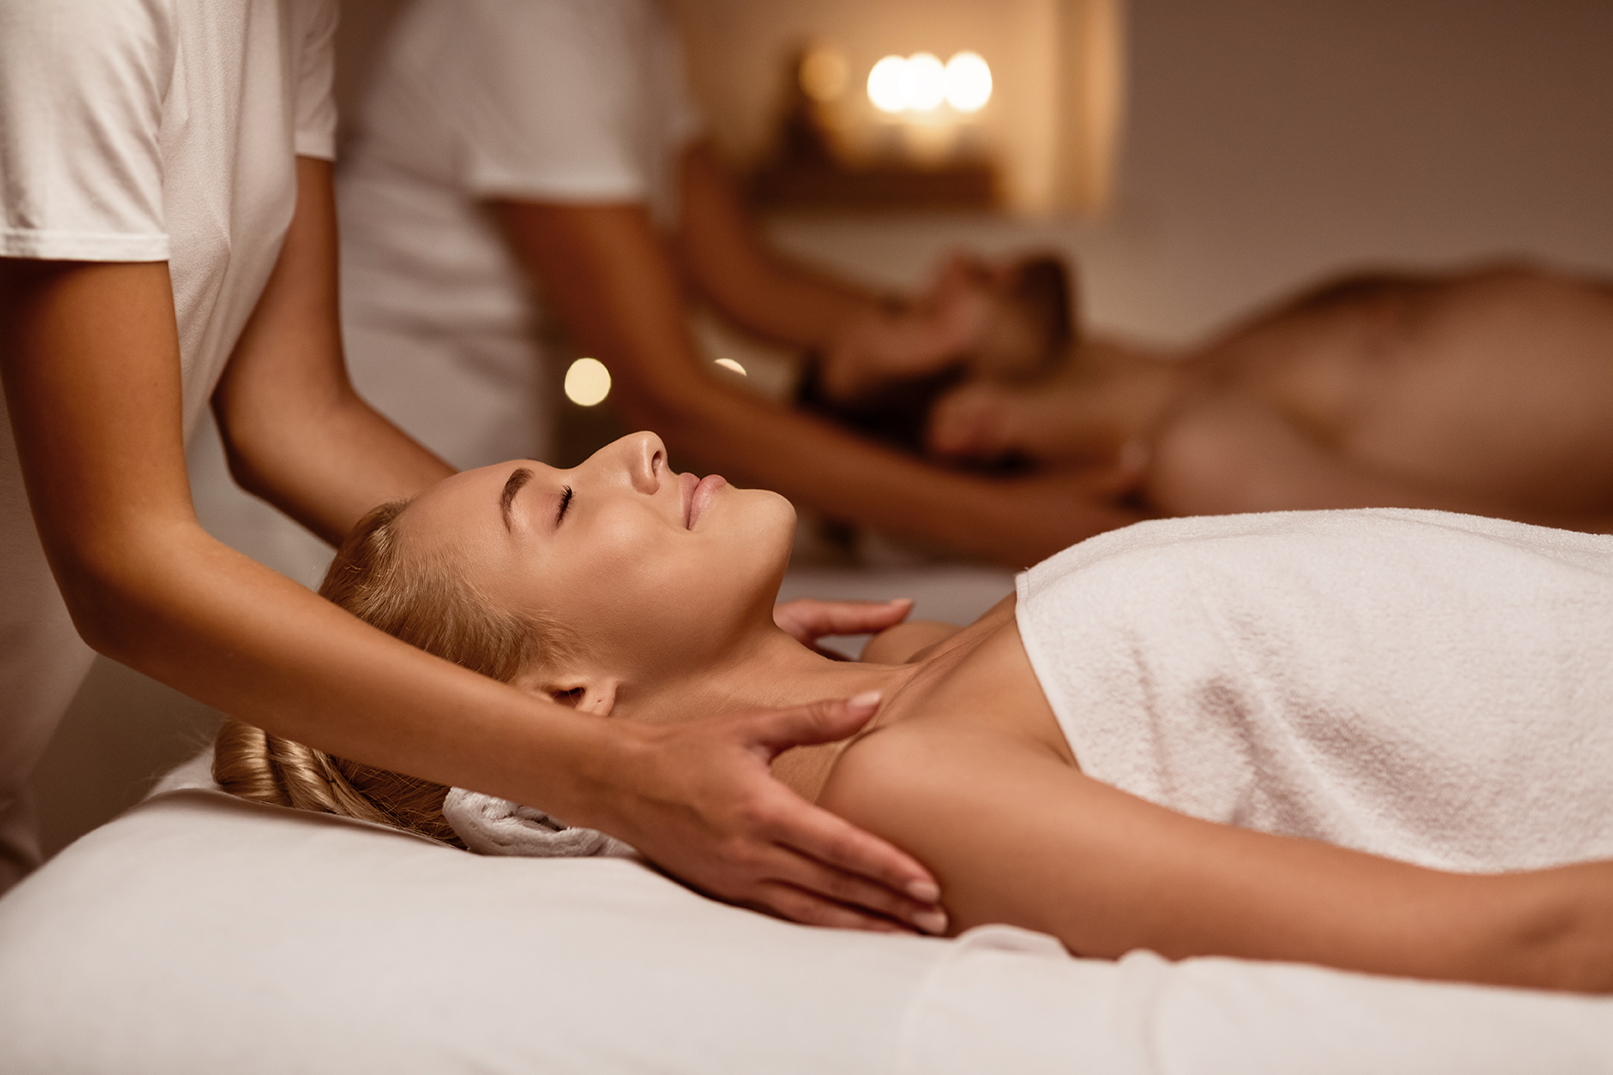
[192, 613]
[326, 466]
[747, 280]
[794, 305]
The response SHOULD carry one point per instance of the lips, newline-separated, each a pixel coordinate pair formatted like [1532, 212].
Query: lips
[699, 496]
[687, 484]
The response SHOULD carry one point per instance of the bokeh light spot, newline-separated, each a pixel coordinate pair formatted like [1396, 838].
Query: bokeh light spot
[926, 82]
[968, 82]
[587, 382]
[886, 84]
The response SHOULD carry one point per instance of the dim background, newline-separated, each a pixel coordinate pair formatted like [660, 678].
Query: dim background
[1260, 143]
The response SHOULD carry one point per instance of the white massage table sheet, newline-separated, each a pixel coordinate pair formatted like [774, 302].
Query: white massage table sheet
[199, 933]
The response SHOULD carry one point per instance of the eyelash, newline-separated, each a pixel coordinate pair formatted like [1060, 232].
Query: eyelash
[565, 502]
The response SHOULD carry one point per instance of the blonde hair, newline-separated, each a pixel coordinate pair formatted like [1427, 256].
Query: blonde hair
[422, 600]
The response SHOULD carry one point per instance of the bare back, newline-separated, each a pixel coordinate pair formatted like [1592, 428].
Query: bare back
[1496, 383]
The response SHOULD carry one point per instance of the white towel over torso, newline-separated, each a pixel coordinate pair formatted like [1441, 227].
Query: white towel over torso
[1432, 687]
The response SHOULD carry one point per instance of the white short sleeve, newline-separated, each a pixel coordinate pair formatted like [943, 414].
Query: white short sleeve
[316, 103]
[81, 93]
[566, 99]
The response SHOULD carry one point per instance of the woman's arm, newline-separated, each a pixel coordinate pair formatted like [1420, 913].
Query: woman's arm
[614, 284]
[89, 354]
[1015, 835]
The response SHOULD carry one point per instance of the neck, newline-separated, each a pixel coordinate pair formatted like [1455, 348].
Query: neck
[768, 670]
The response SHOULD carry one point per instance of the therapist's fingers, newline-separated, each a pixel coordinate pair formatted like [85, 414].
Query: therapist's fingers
[844, 863]
[808, 908]
[700, 800]
[774, 731]
[848, 890]
[814, 832]
[806, 620]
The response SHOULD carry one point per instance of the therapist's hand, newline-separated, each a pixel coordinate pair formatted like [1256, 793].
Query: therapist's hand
[807, 619]
[704, 805]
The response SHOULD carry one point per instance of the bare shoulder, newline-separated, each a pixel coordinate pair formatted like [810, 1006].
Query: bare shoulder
[918, 639]
[899, 780]
[902, 643]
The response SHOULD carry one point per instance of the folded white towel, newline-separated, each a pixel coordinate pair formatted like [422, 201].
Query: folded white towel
[491, 826]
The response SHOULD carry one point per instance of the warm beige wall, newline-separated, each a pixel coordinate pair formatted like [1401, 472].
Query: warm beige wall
[1269, 140]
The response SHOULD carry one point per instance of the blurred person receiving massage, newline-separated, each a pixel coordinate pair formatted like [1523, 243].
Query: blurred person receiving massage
[1484, 391]
[1325, 736]
[168, 242]
[524, 163]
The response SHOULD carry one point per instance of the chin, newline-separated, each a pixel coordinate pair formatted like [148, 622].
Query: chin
[780, 519]
[769, 530]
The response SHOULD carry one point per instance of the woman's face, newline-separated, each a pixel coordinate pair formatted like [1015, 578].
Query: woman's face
[650, 572]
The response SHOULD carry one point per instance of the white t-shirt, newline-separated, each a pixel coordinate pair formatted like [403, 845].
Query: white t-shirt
[139, 130]
[151, 130]
[473, 100]
[1432, 687]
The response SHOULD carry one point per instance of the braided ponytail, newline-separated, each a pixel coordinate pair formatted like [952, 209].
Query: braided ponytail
[251, 763]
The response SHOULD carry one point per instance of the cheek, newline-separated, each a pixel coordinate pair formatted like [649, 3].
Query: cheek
[636, 587]
[619, 581]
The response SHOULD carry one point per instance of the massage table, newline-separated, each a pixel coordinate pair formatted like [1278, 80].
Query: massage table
[199, 933]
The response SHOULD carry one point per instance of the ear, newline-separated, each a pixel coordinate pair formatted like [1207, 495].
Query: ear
[595, 695]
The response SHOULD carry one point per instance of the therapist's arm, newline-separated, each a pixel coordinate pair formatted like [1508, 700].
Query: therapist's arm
[729, 262]
[89, 354]
[616, 286]
[861, 338]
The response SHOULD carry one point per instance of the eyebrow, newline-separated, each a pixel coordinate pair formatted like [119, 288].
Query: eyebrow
[517, 479]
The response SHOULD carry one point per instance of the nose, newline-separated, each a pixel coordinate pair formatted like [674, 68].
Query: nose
[643, 457]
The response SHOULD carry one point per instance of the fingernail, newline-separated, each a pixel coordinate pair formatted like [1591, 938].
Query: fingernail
[900, 601]
[931, 921]
[924, 891]
[863, 700]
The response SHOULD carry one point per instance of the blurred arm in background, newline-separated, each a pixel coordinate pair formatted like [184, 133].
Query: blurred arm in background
[620, 288]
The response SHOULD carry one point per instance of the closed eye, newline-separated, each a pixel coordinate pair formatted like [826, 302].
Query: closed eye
[565, 502]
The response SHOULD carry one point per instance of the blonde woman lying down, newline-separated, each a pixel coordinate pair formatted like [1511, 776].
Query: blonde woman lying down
[1377, 740]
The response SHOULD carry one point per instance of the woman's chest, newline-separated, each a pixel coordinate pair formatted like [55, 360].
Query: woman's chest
[985, 682]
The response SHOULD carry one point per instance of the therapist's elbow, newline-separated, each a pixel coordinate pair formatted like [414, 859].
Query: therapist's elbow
[112, 586]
